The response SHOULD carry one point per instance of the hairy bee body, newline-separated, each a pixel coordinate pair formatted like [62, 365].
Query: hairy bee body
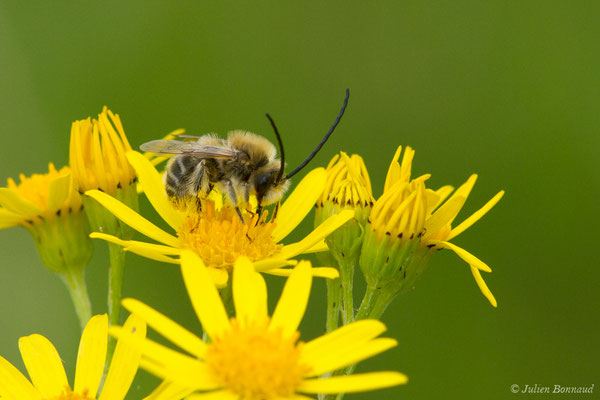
[244, 164]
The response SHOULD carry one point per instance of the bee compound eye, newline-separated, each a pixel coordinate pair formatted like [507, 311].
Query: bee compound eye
[262, 180]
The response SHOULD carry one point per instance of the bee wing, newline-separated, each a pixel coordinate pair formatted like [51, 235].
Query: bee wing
[192, 148]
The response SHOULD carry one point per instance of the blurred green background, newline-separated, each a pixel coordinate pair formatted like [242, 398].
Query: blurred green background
[510, 90]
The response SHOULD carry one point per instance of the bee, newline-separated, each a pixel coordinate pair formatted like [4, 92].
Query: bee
[242, 165]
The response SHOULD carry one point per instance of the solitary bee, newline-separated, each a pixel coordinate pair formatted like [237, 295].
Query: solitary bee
[244, 164]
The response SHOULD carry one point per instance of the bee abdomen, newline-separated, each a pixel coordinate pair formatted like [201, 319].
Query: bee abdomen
[181, 172]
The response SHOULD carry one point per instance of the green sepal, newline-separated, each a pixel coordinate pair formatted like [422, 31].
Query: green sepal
[63, 241]
[102, 220]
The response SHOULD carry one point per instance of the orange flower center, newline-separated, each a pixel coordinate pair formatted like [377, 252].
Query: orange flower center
[68, 394]
[219, 237]
[257, 363]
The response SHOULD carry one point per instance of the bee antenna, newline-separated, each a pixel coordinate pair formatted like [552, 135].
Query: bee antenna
[280, 174]
[316, 150]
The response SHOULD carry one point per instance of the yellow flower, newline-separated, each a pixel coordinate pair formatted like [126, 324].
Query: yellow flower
[347, 183]
[254, 356]
[51, 210]
[38, 198]
[216, 233]
[97, 154]
[48, 377]
[348, 187]
[409, 221]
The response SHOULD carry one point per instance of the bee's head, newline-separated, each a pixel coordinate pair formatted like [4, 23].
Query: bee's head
[269, 189]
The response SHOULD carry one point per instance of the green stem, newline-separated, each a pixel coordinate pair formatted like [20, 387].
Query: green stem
[376, 301]
[334, 298]
[78, 290]
[381, 303]
[347, 281]
[115, 291]
[115, 282]
[373, 305]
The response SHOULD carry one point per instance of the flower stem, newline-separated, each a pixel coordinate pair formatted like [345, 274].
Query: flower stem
[334, 298]
[115, 291]
[78, 290]
[115, 282]
[375, 301]
[347, 282]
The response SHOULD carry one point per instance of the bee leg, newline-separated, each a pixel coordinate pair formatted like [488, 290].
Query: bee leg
[258, 212]
[233, 198]
[275, 211]
[239, 213]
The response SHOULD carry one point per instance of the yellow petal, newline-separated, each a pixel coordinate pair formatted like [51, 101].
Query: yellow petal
[354, 383]
[158, 248]
[169, 391]
[166, 327]
[91, 356]
[317, 248]
[132, 218]
[219, 277]
[483, 287]
[125, 361]
[299, 203]
[203, 295]
[13, 202]
[449, 210]
[166, 363]
[317, 272]
[292, 303]
[249, 292]
[153, 255]
[465, 189]
[352, 354]
[13, 385]
[149, 250]
[9, 219]
[187, 372]
[320, 353]
[462, 253]
[393, 174]
[476, 216]
[320, 232]
[442, 193]
[444, 215]
[43, 365]
[272, 263]
[58, 192]
[152, 184]
[216, 395]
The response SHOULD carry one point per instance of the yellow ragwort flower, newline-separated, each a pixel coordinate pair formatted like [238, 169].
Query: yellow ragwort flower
[409, 221]
[216, 233]
[347, 183]
[48, 207]
[347, 187]
[97, 154]
[253, 356]
[48, 377]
